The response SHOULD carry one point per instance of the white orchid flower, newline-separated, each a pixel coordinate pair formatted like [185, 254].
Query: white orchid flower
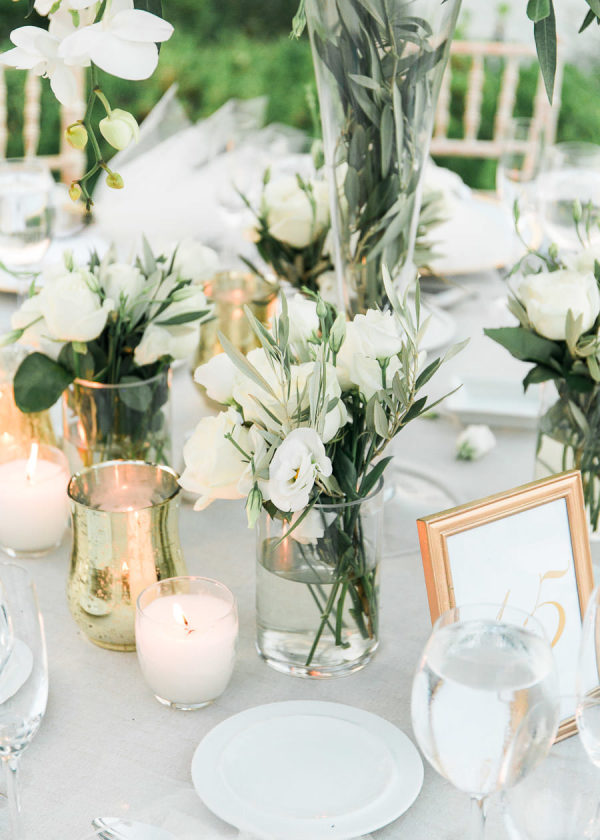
[36, 49]
[43, 7]
[123, 43]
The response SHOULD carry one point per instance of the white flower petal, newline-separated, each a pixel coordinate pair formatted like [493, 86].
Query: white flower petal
[23, 60]
[64, 84]
[125, 59]
[81, 42]
[137, 25]
[30, 37]
[118, 6]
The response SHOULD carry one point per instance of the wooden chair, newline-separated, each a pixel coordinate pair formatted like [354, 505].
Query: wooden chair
[70, 163]
[509, 57]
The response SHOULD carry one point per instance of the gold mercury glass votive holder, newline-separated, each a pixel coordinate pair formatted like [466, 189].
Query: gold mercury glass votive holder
[125, 537]
[229, 292]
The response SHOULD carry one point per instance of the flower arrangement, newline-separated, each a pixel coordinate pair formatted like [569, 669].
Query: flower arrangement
[111, 323]
[293, 231]
[113, 36]
[308, 417]
[557, 304]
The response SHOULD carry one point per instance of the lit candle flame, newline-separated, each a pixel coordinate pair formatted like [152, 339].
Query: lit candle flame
[124, 567]
[180, 618]
[32, 462]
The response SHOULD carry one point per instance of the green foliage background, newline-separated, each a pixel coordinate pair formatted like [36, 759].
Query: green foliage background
[227, 48]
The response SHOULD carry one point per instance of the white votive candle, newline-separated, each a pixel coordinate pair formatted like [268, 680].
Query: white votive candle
[34, 510]
[186, 631]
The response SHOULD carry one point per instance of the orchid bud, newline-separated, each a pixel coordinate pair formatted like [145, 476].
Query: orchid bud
[114, 180]
[119, 128]
[74, 191]
[77, 135]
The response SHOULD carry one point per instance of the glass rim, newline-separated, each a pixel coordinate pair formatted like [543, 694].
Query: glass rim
[351, 502]
[22, 570]
[491, 605]
[214, 584]
[109, 386]
[95, 469]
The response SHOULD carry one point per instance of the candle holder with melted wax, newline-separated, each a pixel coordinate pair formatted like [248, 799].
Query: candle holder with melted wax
[125, 537]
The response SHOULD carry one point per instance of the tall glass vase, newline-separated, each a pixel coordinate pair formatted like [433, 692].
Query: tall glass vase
[379, 65]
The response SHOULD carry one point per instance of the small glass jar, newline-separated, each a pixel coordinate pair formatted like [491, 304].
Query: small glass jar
[186, 632]
[34, 508]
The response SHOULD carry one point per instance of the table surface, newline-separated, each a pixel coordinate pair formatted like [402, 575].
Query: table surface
[107, 747]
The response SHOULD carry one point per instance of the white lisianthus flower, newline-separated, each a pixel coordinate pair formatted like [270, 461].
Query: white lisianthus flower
[213, 465]
[303, 319]
[157, 342]
[365, 373]
[119, 128]
[218, 377]
[376, 334]
[29, 318]
[474, 442]
[37, 49]
[309, 530]
[121, 280]
[549, 296]
[72, 308]
[291, 215]
[297, 463]
[328, 287]
[195, 261]
[371, 340]
[261, 457]
[123, 43]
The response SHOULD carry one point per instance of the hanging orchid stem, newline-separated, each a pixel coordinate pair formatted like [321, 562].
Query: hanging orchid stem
[99, 162]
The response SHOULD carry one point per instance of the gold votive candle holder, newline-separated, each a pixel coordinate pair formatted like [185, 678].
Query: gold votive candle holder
[125, 537]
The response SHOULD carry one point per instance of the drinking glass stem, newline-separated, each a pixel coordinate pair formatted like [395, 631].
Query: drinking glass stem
[12, 792]
[478, 811]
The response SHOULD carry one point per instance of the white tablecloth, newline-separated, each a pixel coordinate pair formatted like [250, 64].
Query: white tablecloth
[106, 747]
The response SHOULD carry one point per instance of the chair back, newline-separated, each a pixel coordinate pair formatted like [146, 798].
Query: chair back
[508, 57]
[70, 163]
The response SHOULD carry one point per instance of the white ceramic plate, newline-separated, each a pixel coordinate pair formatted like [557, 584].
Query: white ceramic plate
[479, 236]
[307, 770]
[499, 402]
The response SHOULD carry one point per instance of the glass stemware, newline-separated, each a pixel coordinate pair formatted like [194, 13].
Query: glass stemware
[26, 215]
[519, 163]
[570, 175]
[484, 700]
[23, 678]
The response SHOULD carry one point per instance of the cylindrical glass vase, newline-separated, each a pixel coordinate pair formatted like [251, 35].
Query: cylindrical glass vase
[317, 588]
[130, 421]
[379, 68]
[125, 537]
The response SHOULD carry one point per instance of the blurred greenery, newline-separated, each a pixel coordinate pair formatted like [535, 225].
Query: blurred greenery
[225, 48]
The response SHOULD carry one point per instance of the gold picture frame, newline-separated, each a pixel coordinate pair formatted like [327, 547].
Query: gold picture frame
[511, 548]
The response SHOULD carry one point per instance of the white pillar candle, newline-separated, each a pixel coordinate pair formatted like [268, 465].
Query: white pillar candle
[186, 641]
[34, 510]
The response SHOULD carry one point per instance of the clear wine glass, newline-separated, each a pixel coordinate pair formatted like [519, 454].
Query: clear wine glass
[570, 173]
[23, 679]
[485, 700]
[588, 680]
[26, 215]
[522, 147]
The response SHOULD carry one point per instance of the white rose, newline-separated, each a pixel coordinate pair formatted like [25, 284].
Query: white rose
[297, 463]
[29, 318]
[291, 216]
[474, 442]
[177, 342]
[218, 377]
[376, 334]
[304, 321]
[370, 339]
[72, 308]
[365, 373]
[195, 261]
[123, 279]
[213, 465]
[548, 297]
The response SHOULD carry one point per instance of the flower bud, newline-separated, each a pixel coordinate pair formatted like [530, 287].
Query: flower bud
[77, 135]
[74, 191]
[119, 128]
[114, 180]
[321, 308]
[253, 505]
[338, 333]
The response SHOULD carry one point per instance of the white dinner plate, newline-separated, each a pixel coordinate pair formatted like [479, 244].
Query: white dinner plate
[497, 402]
[307, 770]
[479, 236]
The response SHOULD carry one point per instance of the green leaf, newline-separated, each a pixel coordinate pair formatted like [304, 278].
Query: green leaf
[137, 398]
[371, 479]
[39, 383]
[538, 374]
[588, 19]
[365, 81]
[524, 344]
[538, 9]
[346, 473]
[381, 421]
[545, 41]
[594, 6]
[152, 6]
[242, 363]
[184, 318]
[426, 374]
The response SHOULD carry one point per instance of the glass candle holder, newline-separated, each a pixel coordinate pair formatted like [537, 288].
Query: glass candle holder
[186, 632]
[34, 509]
[16, 426]
[125, 537]
[230, 291]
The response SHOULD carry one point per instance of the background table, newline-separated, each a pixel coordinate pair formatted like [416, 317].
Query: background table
[106, 746]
